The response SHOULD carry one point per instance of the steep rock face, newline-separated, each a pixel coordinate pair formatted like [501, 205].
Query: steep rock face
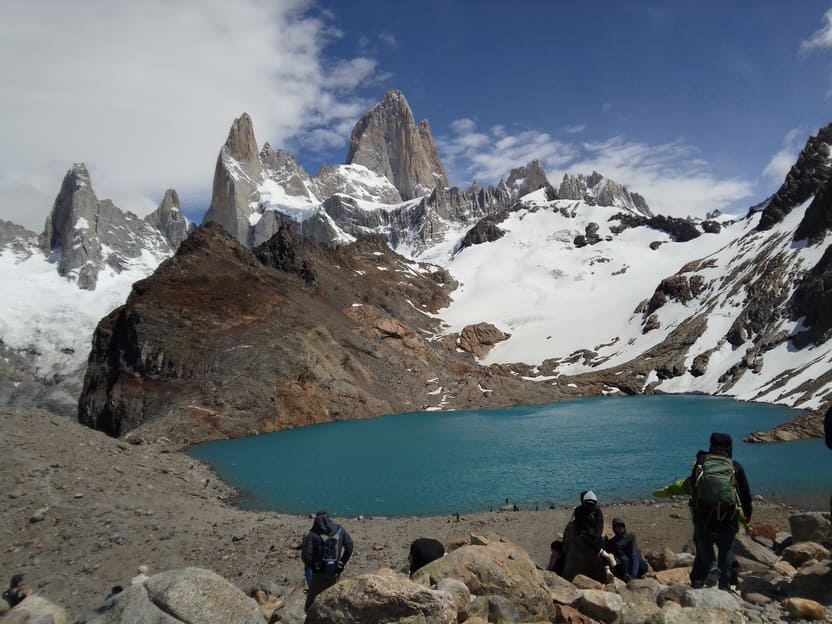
[85, 234]
[806, 177]
[526, 179]
[16, 237]
[387, 140]
[170, 221]
[236, 177]
[602, 191]
[222, 341]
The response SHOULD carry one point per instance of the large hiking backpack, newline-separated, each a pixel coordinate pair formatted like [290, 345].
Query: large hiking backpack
[331, 551]
[716, 484]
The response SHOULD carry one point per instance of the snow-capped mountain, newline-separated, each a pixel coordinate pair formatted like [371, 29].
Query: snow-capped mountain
[560, 291]
[393, 183]
[57, 285]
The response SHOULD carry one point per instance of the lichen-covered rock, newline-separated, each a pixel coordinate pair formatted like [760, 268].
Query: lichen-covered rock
[498, 569]
[35, 610]
[383, 599]
[804, 609]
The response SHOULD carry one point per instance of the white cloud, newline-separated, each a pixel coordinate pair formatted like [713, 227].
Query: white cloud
[389, 39]
[821, 39]
[144, 92]
[574, 129]
[670, 176]
[779, 165]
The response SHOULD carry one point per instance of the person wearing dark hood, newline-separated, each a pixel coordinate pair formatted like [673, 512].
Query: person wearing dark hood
[720, 493]
[17, 592]
[422, 551]
[622, 545]
[325, 550]
[585, 536]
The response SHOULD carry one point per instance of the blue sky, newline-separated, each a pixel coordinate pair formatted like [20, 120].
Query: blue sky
[696, 105]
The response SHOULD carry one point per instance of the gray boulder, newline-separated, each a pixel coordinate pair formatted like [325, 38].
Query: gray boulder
[745, 546]
[191, 595]
[374, 598]
[35, 610]
[710, 599]
[813, 526]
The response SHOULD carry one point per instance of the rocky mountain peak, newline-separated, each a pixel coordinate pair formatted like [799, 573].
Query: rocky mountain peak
[83, 233]
[388, 141]
[240, 143]
[237, 174]
[527, 179]
[597, 189]
[169, 219]
[806, 178]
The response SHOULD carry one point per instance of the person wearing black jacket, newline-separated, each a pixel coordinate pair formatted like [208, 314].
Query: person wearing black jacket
[717, 527]
[312, 554]
[622, 545]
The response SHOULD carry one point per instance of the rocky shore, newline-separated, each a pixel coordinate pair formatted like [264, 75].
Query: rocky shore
[82, 511]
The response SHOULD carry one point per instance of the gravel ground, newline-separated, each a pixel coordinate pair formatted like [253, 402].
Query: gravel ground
[79, 512]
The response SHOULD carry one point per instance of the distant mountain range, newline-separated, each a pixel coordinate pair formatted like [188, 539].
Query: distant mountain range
[375, 287]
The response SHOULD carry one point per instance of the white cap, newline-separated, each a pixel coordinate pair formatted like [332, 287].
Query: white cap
[589, 496]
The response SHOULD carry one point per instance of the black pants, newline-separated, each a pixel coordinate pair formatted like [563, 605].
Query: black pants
[705, 560]
[318, 583]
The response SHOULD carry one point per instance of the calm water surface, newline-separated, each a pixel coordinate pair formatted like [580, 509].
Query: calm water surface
[435, 463]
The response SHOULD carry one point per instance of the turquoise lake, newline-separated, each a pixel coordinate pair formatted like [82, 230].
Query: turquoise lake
[442, 462]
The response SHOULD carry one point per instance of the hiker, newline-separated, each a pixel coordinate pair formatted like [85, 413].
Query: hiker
[622, 545]
[422, 551]
[326, 549]
[16, 592]
[720, 492]
[556, 557]
[583, 544]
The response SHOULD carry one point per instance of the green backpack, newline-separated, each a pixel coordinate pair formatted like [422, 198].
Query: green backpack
[716, 483]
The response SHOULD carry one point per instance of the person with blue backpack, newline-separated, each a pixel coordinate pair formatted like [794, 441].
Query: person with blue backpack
[325, 551]
[720, 495]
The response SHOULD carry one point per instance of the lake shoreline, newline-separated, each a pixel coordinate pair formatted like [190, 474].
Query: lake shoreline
[82, 511]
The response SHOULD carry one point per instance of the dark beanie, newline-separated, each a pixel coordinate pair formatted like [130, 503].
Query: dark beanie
[618, 522]
[423, 551]
[722, 442]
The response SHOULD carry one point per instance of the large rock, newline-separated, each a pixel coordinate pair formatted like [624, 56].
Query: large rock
[562, 591]
[388, 141]
[800, 553]
[804, 609]
[498, 569]
[814, 582]
[600, 605]
[388, 599]
[813, 526]
[745, 546]
[187, 595]
[478, 339]
[35, 610]
[710, 599]
[693, 615]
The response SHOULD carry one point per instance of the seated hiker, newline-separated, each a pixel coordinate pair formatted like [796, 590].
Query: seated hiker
[326, 549]
[16, 592]
[583, 542]
[556, 557]
[423, 551]
[622, 545]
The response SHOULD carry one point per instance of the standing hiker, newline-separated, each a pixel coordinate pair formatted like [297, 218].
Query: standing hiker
[326, 549]
[720, 491]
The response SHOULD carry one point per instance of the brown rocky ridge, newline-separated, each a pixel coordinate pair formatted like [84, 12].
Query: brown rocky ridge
[226, 342]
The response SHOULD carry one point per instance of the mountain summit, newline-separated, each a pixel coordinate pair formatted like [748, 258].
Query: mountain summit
[388, 141]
